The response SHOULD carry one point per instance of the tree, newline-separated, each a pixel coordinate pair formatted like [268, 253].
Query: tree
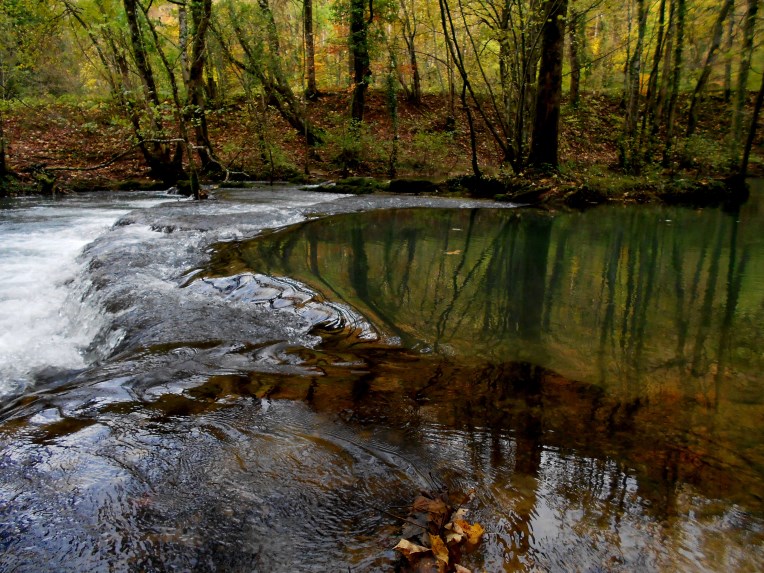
[257, 37]
[310, 50]
[743, 170]
[681, 11]
[741, 92]
[628, 151]
[546, 131]
[713, 50]
[359, 49]
[410, 24]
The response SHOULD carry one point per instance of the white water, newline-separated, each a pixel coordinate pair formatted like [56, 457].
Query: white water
[43, 323]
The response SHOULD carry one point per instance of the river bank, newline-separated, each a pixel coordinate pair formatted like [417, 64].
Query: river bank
[59, 146]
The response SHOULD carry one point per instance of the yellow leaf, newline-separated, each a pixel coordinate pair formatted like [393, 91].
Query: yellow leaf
[410, 550]
[439, 548]
[452, 538]
[456, 252]
[473, 532]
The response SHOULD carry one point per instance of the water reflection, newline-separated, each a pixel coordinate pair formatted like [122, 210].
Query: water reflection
[647, 302]
[618, 349]
[595, 377]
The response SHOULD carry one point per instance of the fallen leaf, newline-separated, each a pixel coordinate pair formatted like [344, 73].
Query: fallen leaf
[456, 252]
[454, 538]
[437, 506]
[473, 532]
[439, 549]
[410, 550]
[459, 569]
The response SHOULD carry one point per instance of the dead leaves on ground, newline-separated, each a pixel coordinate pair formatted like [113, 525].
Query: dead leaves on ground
[435, 534]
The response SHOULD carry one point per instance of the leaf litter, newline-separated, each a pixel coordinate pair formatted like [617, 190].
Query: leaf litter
[435, 533]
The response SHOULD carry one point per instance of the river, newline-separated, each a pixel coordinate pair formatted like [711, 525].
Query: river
[261, 382]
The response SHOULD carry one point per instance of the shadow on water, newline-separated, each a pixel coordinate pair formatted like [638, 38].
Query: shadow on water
[595, 377]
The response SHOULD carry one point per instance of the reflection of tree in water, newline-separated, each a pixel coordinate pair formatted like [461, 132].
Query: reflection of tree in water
[641, 295]
[643, 307]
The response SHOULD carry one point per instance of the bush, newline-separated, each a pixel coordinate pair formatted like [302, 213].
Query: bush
[706, 155]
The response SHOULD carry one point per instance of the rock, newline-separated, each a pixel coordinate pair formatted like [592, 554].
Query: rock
[415, 186]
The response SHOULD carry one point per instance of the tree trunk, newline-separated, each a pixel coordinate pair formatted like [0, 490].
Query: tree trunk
[652, 98]
[546, 127]
[633, 74]
[681, 11]
[629, 144]
[728, 60]
[743, 171]
[409, 36]
[574, 26]
[473, 139]
[159, 157]
[663, 84]
[183, 40]
[359, 46]
[749, 30]
[3, 163]
[311, 92]
[201, 12]
[713, 49]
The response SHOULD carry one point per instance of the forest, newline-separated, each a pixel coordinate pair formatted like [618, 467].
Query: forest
[105, 92]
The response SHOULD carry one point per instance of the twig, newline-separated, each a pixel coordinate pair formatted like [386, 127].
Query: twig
[115, 158]
[406, 519]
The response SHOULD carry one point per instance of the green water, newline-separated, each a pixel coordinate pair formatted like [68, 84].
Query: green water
[626, 334]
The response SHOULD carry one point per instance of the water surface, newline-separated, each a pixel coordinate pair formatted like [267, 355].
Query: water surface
[268, 404]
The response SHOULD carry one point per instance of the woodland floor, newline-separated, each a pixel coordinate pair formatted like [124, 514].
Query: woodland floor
[69, 139]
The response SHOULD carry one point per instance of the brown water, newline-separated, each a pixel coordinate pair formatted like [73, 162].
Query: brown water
[595, 377]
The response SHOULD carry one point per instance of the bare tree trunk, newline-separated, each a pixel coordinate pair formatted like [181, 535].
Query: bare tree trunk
[159, 157]
[311, 92]
[409, 36]
[359, 47]
[749, 30]
[713, 49]
[3, 163]
[728, 61]
[473, 139]
[743, 171]
[681, 10]
[183, 40]
[652, 98]
[574, 39]
[546, 126]
[201, 12]
[628, 151]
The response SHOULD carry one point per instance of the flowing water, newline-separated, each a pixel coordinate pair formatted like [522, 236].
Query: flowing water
[264, 381]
